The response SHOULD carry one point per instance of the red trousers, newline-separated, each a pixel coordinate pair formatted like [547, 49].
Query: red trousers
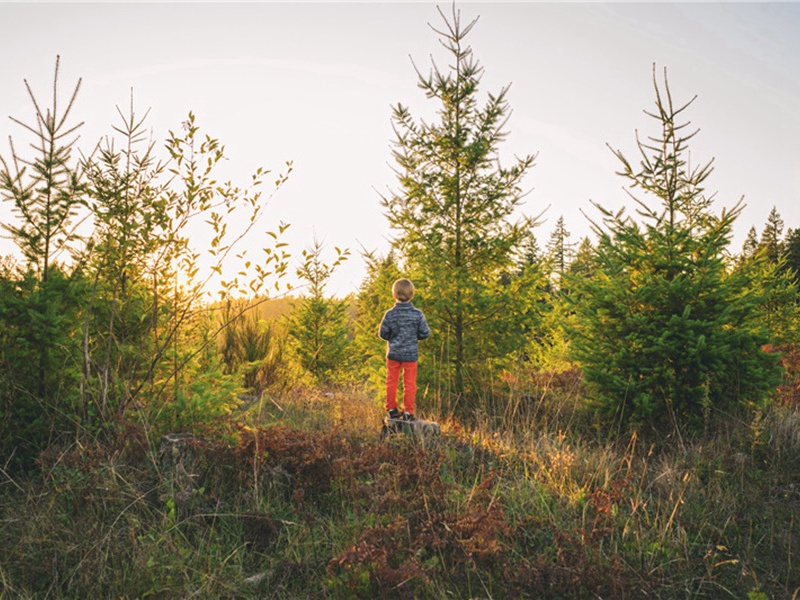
[393, 368]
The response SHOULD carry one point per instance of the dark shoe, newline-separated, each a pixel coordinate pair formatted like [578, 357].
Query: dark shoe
[409, 417]
[393, 414]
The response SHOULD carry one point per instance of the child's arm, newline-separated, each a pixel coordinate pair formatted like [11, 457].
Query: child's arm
[385, 331]
[423, 331]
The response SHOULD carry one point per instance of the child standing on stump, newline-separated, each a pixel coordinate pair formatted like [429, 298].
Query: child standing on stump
[402, 326]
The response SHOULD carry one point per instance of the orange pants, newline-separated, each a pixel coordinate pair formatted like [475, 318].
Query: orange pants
[393, 368]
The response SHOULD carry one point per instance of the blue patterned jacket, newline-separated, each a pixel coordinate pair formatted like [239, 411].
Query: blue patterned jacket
[403, 326]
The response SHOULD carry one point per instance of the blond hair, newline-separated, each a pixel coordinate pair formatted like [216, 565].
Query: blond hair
[403, 290]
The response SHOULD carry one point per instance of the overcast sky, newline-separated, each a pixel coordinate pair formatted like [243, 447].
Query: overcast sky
[314, 83]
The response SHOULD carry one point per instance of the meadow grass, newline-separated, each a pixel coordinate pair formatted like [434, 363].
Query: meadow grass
[527, 498]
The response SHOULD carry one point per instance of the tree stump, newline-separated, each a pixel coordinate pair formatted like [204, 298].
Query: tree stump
[180, 465]
[420, 429]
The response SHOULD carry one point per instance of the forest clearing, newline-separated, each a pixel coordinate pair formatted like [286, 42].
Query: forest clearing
[618, 417]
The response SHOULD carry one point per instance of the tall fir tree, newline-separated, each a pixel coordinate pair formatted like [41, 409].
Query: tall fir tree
[529, 252]
[454, 213]
[664, 332]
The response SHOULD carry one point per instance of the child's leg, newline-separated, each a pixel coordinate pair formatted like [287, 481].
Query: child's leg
[392, 379]
[409, 386]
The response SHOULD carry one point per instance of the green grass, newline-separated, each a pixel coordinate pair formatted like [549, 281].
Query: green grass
[305, 501]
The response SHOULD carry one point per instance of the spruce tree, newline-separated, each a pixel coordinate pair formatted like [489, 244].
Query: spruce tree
[664, 332]
[529, 252]
[454, 212]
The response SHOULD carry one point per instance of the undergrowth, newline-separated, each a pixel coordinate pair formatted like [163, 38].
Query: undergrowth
[301, 499]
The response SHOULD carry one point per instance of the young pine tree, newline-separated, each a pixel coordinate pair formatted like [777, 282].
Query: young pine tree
[124, 190]
[453, 214]
[318, 326]
[664, 332]
[46, 189]
[40, 302]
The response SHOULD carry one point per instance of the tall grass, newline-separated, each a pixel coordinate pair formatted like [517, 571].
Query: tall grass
[529, 499]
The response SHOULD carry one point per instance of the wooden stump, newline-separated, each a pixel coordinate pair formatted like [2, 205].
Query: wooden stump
[423, 430]
[179, 464]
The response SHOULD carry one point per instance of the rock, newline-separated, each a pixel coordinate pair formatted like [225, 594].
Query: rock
[258, 578]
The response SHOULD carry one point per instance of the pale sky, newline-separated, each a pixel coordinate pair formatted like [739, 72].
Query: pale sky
[314, 83]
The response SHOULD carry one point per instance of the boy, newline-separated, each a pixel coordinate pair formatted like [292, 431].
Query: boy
[402, 326]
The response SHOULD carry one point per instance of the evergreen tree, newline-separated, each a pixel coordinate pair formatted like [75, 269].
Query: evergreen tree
[453, 214]
[124, 192]
[45, 190]
[318, 326]
[559, 249]
[771, 243]
[750, 246]
[583, 262]
[529, 252]
[40, 301]
[765, 260]
[778, 311]
[791, 253]
[664, 332]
